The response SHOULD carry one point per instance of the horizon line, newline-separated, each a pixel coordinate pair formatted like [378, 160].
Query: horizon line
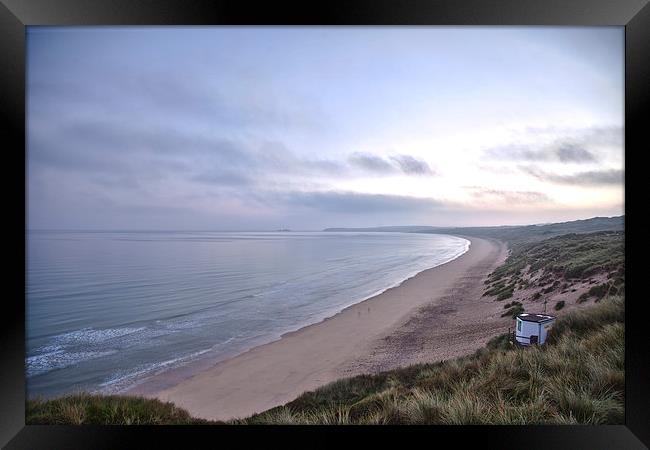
[279, 230]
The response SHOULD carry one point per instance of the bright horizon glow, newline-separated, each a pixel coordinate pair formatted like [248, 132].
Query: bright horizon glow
[261, 128]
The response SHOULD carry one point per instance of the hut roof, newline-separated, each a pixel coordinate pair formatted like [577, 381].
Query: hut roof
[535, 317]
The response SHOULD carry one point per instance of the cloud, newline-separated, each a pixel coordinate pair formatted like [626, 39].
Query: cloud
[586, 136]
[371, 163]
[510, 197]
[110, 147]
[357, 203]
[224, 178]
[566, 145]
[412, 166]
[171, 97]
[138, 162]
[586, 178]
[147, 164]
[395, 164]
[574, 153]
[275, 157]
[562, 151]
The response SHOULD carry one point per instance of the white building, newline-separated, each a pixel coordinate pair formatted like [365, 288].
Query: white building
[532, 328]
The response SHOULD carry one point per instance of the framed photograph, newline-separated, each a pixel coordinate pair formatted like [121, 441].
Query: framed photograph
[375, 218]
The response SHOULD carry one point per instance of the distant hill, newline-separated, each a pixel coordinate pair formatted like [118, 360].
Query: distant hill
[401, 229]
[512, 234]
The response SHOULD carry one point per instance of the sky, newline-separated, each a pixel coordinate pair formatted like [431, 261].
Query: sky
[261, 128]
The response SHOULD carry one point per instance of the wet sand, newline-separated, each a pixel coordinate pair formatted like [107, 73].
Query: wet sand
[437, 314]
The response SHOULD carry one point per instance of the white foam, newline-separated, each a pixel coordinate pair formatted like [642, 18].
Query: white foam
[74, 347]
[93, 336]
[127, 379]
[59, 359]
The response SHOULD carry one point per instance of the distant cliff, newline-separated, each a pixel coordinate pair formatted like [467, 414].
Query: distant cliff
[403, 229]
[512, 234]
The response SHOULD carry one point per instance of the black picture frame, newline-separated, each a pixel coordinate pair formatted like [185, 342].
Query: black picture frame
[15, 15]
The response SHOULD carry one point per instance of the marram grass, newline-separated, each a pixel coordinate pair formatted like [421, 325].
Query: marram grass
[577, 378]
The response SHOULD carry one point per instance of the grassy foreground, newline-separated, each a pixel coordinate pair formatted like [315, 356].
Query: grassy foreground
[578, 377]
[86, 409]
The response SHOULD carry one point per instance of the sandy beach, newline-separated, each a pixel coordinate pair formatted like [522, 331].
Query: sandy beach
[437, 314]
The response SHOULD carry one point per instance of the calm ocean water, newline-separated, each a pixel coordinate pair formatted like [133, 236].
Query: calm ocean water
[106, 310]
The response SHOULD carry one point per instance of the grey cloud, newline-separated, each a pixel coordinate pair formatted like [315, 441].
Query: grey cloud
[275, 157]
[329, 168]
[587, 136]
[169, 92]
[560, 151]
[224, 178]
[113, 139]
[168, 97]
[371, 163]
[568, 145]
[412, 166]
[574, 153]
[405, 164]
[587, 178]
[48, 151]
[114, 154]
[611, 136]
[511, 197]
[135, 153]
[118, 155]
[355, 203]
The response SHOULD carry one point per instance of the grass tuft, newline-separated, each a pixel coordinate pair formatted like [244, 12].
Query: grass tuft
[82, 409]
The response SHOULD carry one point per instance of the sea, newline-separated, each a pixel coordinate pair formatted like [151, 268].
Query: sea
[106, 311]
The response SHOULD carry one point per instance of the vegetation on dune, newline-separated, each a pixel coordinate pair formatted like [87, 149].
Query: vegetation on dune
[514, 235]
[526, 234]
[577, 378]
[506, 293]
[86, 409]
[514, 310]
[599, 291]
[559, 261]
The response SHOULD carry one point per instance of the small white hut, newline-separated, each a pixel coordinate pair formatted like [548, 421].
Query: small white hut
[532, 328]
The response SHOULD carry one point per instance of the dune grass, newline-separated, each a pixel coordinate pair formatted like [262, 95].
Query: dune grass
[82, 409]
[514, 310]
[578, 377]
[561, 260]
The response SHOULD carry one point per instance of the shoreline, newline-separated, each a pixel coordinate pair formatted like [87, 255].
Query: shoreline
[369, 297]
[153, 383]
[348, 343]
